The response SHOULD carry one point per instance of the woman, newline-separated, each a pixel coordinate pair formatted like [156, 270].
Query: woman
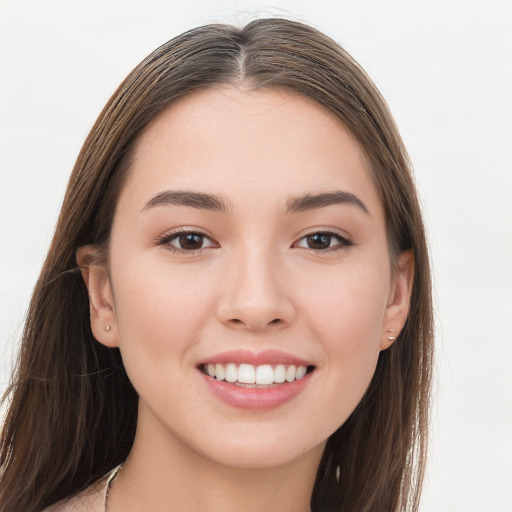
[235, 311]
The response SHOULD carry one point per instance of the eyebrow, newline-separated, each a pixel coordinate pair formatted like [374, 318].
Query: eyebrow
[204, 201]
[312, 202]
[184, 198]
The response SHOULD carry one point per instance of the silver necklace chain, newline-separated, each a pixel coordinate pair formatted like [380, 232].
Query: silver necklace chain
[110, 481]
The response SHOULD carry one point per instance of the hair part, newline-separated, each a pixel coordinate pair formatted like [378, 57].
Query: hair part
[65, 427]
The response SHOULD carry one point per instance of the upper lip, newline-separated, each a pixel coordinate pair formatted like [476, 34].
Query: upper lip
[270, 356]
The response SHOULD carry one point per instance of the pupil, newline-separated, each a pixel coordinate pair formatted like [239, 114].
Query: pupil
[191, 241]
[319, 241]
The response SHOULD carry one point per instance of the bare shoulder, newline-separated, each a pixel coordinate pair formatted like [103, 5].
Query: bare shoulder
[90, 500]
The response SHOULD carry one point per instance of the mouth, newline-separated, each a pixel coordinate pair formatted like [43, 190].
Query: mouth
[256, 376]
[256, 381]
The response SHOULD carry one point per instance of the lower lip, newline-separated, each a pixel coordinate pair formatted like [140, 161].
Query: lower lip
[256, 399]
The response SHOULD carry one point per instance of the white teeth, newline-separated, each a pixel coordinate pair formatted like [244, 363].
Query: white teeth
[301, 371]
[219, 372]
[291, 373]
[231, 372]
[263, 375]
[246, 374]
[279, 373]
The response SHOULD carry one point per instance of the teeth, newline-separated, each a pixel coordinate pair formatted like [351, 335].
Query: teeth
[263, 375]
[246, 374]
[220, 372]
[291, 373]
[301, 371]
[231, 372]
[279, 373]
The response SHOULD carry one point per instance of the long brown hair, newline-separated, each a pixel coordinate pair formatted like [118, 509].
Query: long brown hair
[73, 412]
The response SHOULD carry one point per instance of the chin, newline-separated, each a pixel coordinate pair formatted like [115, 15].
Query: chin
[261, 455]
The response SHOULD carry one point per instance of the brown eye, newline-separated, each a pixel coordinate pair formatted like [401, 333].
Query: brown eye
[319, 241]
[187, 241]
[190, 241]
[324, 241]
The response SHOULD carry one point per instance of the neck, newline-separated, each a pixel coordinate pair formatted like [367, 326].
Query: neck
[171, 476]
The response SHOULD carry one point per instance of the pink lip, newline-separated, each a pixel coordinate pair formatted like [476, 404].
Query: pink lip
[255, 399]
[256, 358]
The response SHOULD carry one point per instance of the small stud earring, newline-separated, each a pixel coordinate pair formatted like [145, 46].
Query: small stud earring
[391, 338]
[108, 328]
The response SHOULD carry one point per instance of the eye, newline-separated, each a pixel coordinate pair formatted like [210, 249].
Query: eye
[324, 241]
[187, 241]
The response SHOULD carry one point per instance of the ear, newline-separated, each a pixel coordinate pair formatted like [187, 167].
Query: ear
[101, 298]
[399, 299]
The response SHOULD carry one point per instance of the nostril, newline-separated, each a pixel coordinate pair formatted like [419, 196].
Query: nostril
[254, 324]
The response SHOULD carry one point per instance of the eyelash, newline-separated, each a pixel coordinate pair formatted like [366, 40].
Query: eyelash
[343, 242]
[165, 240]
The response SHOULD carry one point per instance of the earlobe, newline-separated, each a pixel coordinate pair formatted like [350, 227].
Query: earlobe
[101, 299]
[399, 299]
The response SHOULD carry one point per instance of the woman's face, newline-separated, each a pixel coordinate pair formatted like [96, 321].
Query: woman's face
[248, 244]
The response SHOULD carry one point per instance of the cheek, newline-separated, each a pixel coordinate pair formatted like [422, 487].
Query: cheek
[346, 314]
[160, 313]
[348, 305]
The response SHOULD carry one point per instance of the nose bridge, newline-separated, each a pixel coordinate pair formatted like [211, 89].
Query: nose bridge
[255, 296]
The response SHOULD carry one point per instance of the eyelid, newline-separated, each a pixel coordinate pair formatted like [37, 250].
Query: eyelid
[166, 238]
[345, 240]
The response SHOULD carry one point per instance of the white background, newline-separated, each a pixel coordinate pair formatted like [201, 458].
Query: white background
[445, 68]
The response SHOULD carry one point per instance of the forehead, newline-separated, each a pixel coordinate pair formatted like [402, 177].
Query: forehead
[225, 140]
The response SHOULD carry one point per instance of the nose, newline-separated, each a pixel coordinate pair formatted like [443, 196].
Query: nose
[255, 295]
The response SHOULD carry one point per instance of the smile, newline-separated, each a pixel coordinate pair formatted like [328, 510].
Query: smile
[248, 375]
[256, 381]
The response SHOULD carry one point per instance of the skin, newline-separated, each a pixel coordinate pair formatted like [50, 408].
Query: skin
[254, 284]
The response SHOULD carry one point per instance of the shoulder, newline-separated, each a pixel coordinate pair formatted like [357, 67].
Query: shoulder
[91, 502]
[91, 499]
